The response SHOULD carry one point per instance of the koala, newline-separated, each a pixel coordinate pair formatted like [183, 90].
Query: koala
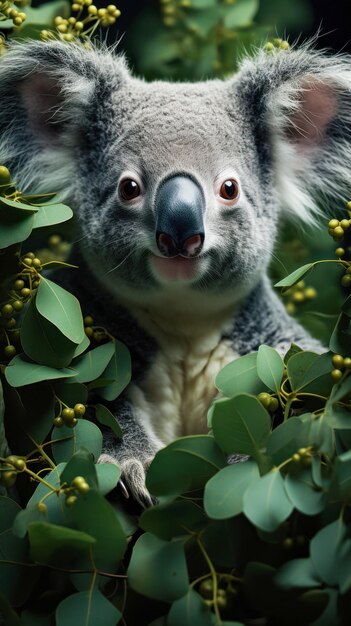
[178, 190]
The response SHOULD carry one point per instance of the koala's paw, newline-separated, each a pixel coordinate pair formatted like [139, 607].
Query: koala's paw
[132, 482]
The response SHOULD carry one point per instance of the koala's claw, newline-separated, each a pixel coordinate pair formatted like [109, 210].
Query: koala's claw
[121, 486]
[133, 479]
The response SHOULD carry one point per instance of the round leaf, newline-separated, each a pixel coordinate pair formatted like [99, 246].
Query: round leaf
[158, 569]
[297, 573]
[303, 493]
[105, 417]
[118, 371]
[224, 492]
[173, 520]
[241, 425]
[51, 214]
[240, 376]
[54, 545]
[66, 441]
[266, 503]
[190, 610]
[87, 608]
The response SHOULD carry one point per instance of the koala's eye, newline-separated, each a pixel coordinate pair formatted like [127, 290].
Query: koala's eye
[229, 189]
[129, 189]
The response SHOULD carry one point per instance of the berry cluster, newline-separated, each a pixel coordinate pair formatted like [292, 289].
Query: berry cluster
[10, 467]
[341, 364]
[269, 402]
[276, 44]
[303, 457]
[20, 292]
[7, 11]
[69, 416]
[82, 25]
[224, 593]
[97, 333]
[78, 484]
[297, 294]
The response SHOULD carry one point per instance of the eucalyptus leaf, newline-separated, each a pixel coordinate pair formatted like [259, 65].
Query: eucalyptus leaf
[324, 551]
[22, 371]
[185, 464]
[295, 276]
[241, 13]
[266, 503]
[287, 438]
[105, 417]
[224, 492]
[165, 564]
[14, 230]
[90, 608]
[241, 425]
[310, 373]
[43, 342]
[240, 376]
[51, 214]
[118, 370]
[61, 308]
[56, 545]
[80, 464]
[66, 441]
[175, 519]
[270, 367]
[190, 610]
[297, 573]
[303, 493]
[91, 365]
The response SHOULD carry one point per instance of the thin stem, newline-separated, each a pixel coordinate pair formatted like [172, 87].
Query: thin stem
[214, 578]
[40, 480]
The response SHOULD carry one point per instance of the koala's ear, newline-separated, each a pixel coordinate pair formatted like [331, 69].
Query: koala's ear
[299, 110]
[48, 93]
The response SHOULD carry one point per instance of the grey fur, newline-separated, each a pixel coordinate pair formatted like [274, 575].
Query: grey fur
[96, 122]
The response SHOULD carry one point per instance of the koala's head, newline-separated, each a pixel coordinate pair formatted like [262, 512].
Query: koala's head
[178, 187]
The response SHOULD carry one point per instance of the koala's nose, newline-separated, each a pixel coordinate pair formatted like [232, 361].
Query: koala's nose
[180, 206]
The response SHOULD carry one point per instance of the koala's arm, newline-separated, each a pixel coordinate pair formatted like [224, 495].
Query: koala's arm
[262, 319]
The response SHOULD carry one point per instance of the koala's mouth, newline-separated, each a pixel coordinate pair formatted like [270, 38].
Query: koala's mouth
[177, 268]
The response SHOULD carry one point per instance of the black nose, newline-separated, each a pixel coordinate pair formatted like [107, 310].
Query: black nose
[179, 206]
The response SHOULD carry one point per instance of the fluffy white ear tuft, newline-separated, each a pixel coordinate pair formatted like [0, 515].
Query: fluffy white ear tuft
[303, 98]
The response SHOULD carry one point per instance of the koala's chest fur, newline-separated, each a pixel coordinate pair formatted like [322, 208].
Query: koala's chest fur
[174, 395]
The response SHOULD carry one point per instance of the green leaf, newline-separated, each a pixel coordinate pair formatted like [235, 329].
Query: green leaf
[22, 371]
[321, 436]
[43, 342]
[105, 417]
[224, 492]
[240, 376]
[165, 565]
[174, 519]
[108, 476]
[66, 441]
[190, 610]
[297, 275]
[39, 404]
[340, 341]
[56, 507]
[303, 493]
[82, 347]
[55, 545]
[287, 438]
[294, 349]
[297, 573]
[324, 551]
[339, 418]
[87, 608]
[94, 515]
[310, 373]
[12, 208]
[51, 214]
[241, 425]
[14, 230]
[61, 308]
[270, 367]
[202, 4]
[266, 503]
[81, 464]
[92, 364]
[119, 370]
[185, 464]
[241, 13]
[341, 477]
[71, 393]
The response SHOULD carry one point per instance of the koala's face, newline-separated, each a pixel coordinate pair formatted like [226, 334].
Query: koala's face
[177, 187]
[171, 193]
